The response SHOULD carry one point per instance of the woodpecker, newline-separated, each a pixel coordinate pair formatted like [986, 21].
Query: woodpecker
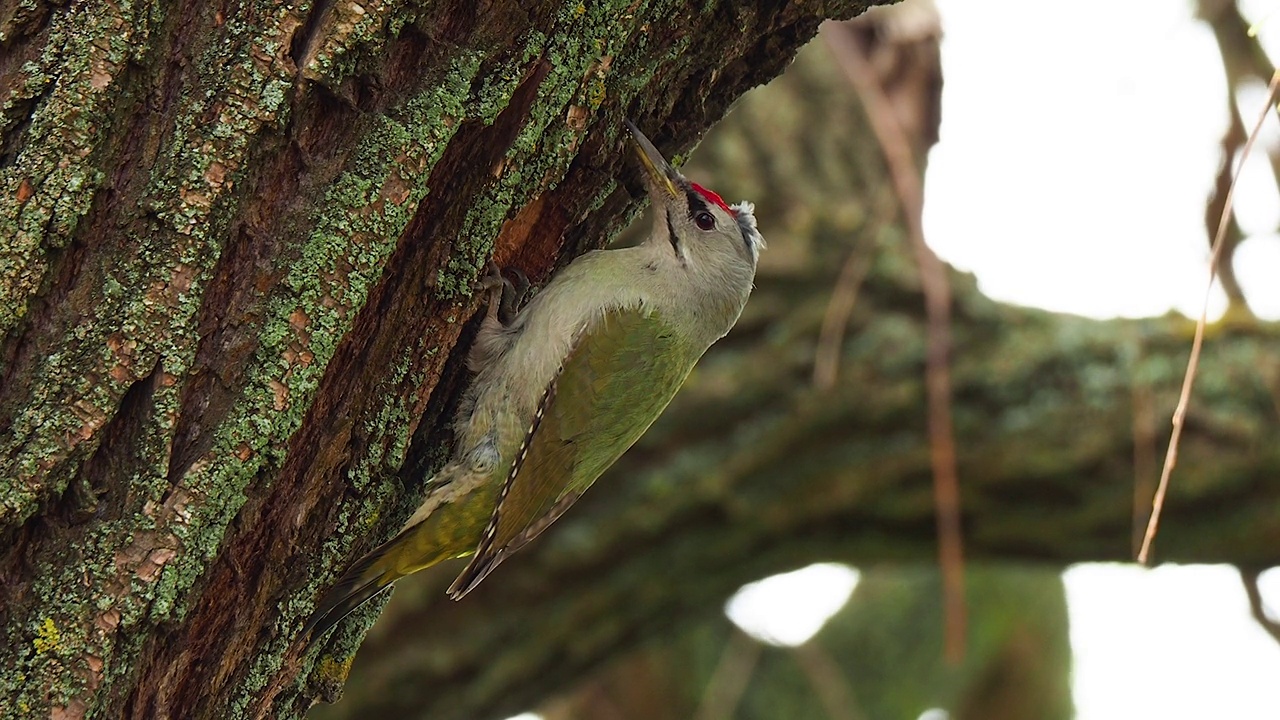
[563, 387]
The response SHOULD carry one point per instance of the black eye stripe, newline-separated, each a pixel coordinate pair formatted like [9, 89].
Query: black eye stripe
[671, 234]
[695, 202]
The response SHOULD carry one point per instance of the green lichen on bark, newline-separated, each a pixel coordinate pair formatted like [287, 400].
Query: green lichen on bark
[67, 91]
[150, 294]
[51, 180]
[143, 319]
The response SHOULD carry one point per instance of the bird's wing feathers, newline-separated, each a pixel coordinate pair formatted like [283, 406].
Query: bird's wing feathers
[615, 381]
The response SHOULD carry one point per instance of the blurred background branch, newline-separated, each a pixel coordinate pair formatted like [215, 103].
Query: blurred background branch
[1257, 607]
[1245, 63]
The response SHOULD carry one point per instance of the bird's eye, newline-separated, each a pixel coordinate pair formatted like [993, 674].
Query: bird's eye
[704, 221]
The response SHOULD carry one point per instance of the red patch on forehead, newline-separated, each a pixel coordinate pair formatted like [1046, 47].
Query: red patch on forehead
[709, 195]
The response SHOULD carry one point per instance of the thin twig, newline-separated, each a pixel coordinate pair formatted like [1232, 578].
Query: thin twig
[826, 361]
[828, 679]
[1256, 607]
[729, 680]
[1232, 139]
[905, 175]
[1145, 453]
[1188, 380]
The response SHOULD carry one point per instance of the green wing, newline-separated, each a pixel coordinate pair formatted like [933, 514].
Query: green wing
[616, 380]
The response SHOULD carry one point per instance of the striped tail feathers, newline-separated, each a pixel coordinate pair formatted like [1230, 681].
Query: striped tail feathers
[360, 584]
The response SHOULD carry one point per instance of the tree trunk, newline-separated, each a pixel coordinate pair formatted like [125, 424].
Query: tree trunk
[240, 242]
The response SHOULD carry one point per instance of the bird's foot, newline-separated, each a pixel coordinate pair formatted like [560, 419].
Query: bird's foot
[506, 297]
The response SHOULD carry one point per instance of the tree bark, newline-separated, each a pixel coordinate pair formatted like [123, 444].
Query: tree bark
[240, 242]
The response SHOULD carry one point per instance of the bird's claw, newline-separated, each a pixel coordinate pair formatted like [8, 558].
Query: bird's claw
[506, 297]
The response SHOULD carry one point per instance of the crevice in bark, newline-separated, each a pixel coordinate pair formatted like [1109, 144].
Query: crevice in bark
[265, 243]
[25, 31]
[24, 18]
[304, 40]
[86, 497]
[107, 469]
[16, 125]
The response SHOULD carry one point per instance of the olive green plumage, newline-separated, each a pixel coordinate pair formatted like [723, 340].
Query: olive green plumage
[573, 380]
[626, 371]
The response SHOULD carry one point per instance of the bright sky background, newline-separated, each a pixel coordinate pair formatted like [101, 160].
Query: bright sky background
[1078, 145]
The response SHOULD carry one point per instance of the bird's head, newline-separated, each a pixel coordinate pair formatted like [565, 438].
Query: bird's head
[696, 225]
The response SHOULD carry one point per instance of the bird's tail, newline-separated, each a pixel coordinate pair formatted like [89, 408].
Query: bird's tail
[362, 582]
[435, 533]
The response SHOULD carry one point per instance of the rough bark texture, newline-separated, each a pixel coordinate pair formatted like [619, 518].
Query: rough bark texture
[752, 471]
[239, 244]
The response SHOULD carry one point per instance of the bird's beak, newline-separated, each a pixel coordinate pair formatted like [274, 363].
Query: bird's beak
[659, 175]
